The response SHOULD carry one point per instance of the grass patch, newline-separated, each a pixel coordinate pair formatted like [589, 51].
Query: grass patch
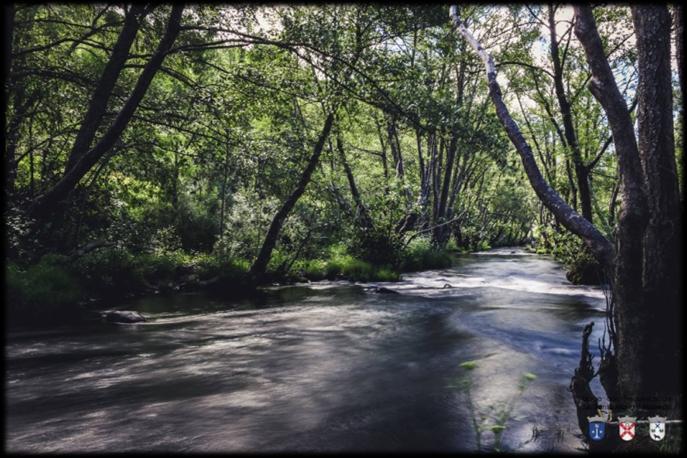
[343, 267]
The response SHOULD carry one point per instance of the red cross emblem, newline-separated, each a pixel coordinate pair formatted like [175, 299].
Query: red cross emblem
[626, 428]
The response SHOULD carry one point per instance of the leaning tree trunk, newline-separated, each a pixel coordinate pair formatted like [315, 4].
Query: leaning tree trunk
[628, 292]
[257, 270]
[46, 204]
[599, 246]
[573, 221]
[103, 90]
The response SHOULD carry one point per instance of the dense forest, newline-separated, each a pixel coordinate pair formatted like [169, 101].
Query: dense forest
[155, 148]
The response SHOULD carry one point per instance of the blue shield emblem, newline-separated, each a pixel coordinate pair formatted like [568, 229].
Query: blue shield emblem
[597, 428]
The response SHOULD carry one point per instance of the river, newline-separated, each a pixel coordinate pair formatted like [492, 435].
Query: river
[475, 357]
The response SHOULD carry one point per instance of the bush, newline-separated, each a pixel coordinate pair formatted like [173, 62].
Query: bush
[314, 269]
[165, 239]
[580, 265]
[235, 270]
[233, 279]
[196, 227]
[109, 271]
[421, 255]
[376, 247]
[341, 264]
[42, 289]
[387, 274]
[157, 267]
[584, 269]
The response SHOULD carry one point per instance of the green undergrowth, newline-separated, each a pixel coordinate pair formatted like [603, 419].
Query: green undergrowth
[57, 283]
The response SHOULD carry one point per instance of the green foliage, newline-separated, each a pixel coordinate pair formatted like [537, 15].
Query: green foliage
[223, 135]
[196, 225]
[165, 239]
[316, 269]
[376, 247]
[162, 266]
[341, 265]
[109, 271]
[44, 287]
[421, 255]
[232, 275]
[581, 266]
[209, 266]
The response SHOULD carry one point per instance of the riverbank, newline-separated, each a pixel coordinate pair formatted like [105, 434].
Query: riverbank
[59, 288]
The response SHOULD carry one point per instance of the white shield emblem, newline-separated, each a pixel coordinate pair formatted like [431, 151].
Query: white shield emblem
[657, 428]
[626, 428]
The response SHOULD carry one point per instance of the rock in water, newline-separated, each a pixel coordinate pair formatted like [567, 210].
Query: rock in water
[382, 290]
[123, 316]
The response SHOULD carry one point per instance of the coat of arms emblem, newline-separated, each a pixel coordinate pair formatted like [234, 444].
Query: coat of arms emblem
[657, 428]
[597, 428]
[626, 428]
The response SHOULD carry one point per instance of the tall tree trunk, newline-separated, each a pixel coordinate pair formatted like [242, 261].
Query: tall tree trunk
[628, 293]
[395, 146]
[662, 243]
[581, 172]
[15, 90]
[362, 215]
[8, 36]
[98, 103]
[223, 200]
[571, 183]
[45, 204]
[679, 46]
[410, 219]
[441, 233]
[20, 108]
[259, 267]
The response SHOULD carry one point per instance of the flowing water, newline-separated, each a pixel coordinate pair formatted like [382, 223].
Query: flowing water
[478, 356]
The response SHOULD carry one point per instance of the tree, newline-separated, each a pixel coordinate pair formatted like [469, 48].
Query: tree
[650, 206]
[259, 266]
[103, 90]
[581, 171]
[83, 161]
[573, 221]
[645, 309]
